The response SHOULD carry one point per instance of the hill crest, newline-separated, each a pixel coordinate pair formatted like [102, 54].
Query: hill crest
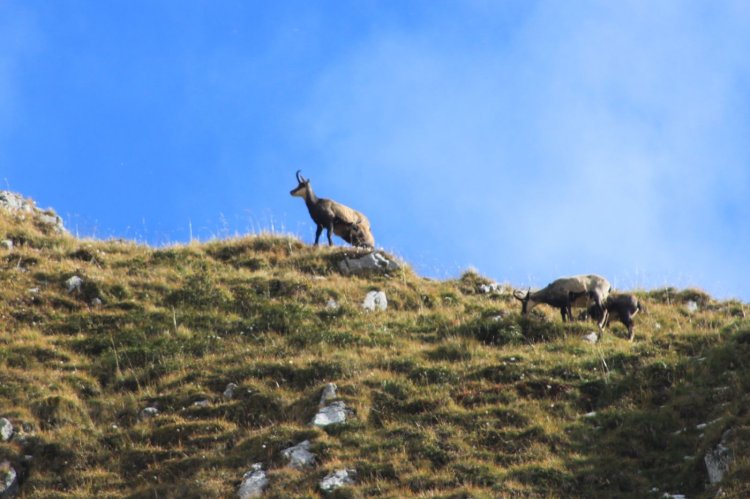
[448, 392]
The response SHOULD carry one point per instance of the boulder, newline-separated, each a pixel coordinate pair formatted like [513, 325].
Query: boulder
[300, 456]
[371, 262]
[253, 482]
[375, 300]
[338, 479]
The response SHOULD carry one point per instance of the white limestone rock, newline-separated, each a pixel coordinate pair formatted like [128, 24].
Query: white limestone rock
[8, 480]
[299, 456]
[6, 429]
[329, 393]
[719, 459]
[371, 262]
[592, 337]
[332, 414]
[338, 479]
[253, 482]
[375, 300]
[74, 284]
[229, 390]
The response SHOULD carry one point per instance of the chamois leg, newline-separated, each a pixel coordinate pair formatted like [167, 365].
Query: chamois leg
[318, 232]
[603, 310]
[329, 231]
[628, 321]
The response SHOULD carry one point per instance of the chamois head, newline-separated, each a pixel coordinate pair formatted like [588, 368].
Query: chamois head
[302, 187]
[524, 299]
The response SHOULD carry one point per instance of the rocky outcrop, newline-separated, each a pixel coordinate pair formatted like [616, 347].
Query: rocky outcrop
[23, 207]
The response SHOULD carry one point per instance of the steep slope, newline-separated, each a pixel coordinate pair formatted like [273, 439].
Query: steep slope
[449, 392]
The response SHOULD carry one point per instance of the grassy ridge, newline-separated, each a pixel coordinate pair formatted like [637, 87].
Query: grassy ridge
[453, 393]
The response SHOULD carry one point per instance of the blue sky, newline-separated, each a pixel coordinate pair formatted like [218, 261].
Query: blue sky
[528, 140]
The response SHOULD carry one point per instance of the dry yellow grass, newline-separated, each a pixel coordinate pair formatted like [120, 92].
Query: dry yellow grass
[453, 393]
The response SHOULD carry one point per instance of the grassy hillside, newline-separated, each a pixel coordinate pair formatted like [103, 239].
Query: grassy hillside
[452, 393]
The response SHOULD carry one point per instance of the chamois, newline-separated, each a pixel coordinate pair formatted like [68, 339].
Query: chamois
[619, 306]
[568, 292]
[350, 225]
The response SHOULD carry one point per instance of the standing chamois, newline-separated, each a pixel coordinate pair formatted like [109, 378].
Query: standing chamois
[568, 292]
[619, 306]
[350, 225]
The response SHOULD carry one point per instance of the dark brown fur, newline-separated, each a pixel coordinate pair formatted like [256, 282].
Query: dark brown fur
[622, 307]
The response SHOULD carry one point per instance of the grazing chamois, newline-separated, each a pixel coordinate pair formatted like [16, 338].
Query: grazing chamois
[568, 292]
[350, 225]
[619, 306]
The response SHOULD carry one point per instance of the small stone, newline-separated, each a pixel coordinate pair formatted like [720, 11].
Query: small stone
[375, 300]
[8, 480]
[329, 393]
[202, 403]
[299, 456]
[149, 412]
[229, 390]
[332, 414]
[719, 459]
[338, 479]
[96, 302]
[74, 284]
[7, 244]
[331, 304]
[6, 429]
[592, 337]
[253, 482]
[691, 307]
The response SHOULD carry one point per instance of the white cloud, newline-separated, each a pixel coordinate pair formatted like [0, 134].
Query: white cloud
[607, 139]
